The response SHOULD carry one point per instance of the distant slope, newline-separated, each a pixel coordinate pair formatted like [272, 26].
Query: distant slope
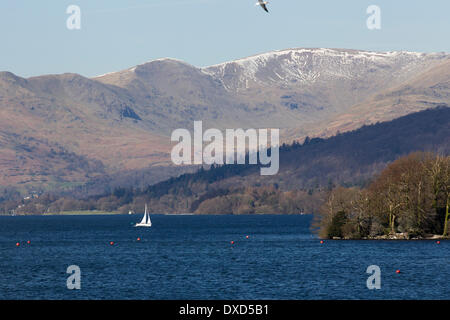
[30, 161]
[87, 119]
[428, 90]
[306, 171]
[351, 158]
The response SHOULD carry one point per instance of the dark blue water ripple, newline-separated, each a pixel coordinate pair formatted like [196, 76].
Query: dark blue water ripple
[191, 257]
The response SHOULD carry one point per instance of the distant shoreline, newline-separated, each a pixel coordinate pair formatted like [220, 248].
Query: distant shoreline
[81, 213]
[93, 212]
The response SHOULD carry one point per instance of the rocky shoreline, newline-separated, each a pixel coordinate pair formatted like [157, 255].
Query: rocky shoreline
[399, 236]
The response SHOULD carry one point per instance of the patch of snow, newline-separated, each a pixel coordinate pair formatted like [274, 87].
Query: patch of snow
[309, 65]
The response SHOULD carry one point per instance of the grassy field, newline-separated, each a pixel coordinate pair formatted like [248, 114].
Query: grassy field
[79, 213]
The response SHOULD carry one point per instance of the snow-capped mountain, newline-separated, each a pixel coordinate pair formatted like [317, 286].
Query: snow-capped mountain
[124, 119]
[295, 67]
[283, 88]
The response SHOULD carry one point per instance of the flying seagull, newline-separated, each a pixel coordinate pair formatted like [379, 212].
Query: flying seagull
[262, 3]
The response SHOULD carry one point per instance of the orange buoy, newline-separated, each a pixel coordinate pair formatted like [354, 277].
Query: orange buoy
[111, 243]
[246, 237]
[28, 242]
[397, 271]
[232, 242]
[17, 244]
[138, 239]
[438, 242]
[321, 241]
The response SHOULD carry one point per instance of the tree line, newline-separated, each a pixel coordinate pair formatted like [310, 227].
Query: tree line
[408, 199]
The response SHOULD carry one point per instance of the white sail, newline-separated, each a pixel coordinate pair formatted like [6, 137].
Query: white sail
[145, 222]
[149, 222]
[144, 219]
[147, 216]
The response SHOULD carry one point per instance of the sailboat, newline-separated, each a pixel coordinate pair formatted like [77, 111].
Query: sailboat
[145, 222]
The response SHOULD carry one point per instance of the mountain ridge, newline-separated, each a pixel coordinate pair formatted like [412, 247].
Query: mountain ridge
[124, 119]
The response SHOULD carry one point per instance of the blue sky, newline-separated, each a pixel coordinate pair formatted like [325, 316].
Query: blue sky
[115, 34]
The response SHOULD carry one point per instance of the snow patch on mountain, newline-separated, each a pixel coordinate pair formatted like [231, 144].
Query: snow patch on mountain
[292, 67]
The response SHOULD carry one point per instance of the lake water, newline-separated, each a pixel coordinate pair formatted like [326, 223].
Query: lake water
[191, 257]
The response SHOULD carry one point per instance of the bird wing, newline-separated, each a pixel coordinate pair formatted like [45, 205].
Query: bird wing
[263, 5]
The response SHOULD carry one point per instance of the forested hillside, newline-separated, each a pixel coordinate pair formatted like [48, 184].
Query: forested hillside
[307, 172]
